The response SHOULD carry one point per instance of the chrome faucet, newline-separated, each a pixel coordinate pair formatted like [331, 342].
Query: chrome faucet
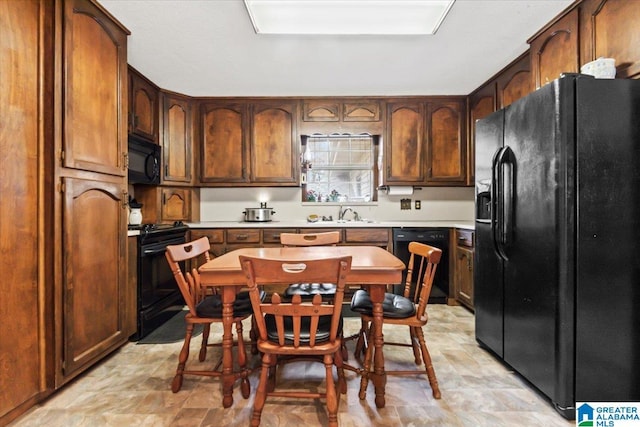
[342, 211]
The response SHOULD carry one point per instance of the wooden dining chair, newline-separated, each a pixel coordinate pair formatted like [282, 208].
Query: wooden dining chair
[297, 328]
[308, 290]
[408, 309]
[205, 308]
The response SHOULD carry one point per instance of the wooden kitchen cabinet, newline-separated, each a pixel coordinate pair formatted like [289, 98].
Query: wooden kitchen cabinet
[225, 240]
[143, 106]
[425, 142]
[609, 28]
[463, 267]
[27, 346]
[274, 144]
[90, 273]
[241, 235]
[321, 110]
[130, 308]
[176, 204]
[481, 103]
[514, 81]
[336, 110]
[91, 188]
[368, 236]
[95, 64]
[404, 148]
[555, 50]
[168, 204]
[224, 153]
[271, 236]
[446, 143]
[64, 172]
[361, 111]
[249, 143]
[215, 237]
[177, 125]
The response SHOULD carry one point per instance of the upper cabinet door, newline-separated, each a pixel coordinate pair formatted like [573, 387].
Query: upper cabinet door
[515, 81]
[176, 143]
[404, 145]
[609, 28]
[274, 147]
[481, 103]
[446, 146]
[143, 107]
[225, 148]
[95, 90]
[555, 51]
[361, 111]
[325, 110]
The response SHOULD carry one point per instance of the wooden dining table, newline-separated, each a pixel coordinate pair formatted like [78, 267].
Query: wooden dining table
[371, 267]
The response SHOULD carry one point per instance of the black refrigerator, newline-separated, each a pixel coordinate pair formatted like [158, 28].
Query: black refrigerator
[557, 258]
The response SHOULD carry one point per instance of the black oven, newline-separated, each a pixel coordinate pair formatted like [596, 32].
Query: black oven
[159, 298]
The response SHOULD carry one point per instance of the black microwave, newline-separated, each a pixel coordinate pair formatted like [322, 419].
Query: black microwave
[144, 161]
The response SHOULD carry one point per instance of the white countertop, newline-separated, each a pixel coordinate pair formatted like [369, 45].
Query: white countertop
[469, 225]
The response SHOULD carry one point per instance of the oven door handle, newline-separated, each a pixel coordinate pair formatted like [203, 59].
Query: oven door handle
[154, 251]
[158, 248]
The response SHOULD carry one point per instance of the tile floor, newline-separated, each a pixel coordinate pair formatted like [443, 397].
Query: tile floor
[132, 388]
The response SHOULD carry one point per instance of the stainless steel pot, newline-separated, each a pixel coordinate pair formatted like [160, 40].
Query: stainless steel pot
[258, 214]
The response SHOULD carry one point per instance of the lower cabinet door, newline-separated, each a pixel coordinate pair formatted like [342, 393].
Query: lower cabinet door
[464, 275]
[93, 292]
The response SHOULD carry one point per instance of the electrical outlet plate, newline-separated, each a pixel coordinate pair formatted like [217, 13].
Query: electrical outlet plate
[418, 204]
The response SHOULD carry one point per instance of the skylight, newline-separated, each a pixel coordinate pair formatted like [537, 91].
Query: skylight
[350, 17]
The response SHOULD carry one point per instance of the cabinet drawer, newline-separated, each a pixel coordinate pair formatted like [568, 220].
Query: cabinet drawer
[243, 236]
[318, 230]
[366, 235]
[272, 235]
[464, 238]
[214, 236]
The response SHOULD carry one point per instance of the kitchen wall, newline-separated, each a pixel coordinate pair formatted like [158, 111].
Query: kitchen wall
[438, 203]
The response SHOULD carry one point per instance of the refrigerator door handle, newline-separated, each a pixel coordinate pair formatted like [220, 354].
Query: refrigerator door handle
[495, 186]
[503, 181]
[508, 167]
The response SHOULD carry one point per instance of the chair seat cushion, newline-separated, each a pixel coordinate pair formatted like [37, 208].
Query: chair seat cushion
[322, 334]
[310, 289]
[393, 306]
[211, 306]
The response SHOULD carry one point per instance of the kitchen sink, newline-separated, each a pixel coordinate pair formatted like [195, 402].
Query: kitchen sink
[346, 222]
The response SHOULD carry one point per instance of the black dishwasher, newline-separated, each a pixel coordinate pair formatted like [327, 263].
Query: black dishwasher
[436, 237]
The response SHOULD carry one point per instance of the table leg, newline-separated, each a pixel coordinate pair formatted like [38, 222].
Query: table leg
[378, 376]
[228, 377]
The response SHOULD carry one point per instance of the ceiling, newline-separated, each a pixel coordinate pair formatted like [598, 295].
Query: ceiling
[209, 48]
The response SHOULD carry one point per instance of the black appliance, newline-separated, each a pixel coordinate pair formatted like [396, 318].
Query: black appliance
[436, 237]
[557, 277]
[159, 298]
[144, 161]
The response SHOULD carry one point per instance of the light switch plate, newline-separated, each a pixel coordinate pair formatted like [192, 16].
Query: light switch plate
[405, 204]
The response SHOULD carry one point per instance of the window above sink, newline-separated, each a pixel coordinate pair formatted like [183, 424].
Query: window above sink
[339, 168]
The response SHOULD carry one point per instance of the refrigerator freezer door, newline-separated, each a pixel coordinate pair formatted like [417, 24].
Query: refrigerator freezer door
[488, 270]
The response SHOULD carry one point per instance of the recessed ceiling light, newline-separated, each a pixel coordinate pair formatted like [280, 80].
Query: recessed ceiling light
[354, 17]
